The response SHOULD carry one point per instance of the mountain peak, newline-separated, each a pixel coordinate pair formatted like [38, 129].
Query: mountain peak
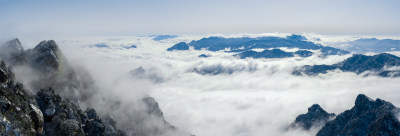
[315, 108]
[12, 51]
[367, 117]
[316, 116]
[296, 37]
[12, 46]
[363, 99]
[14, 41]
[46, 45]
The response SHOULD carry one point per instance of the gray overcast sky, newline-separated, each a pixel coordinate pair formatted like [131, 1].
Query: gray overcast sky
[112, 17]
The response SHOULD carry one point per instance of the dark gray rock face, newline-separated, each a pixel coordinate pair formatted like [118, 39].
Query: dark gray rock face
[358, 64]
[63, 117]
[3, 76]
[50, 67]
[19, 114]
[59, 114]
[47, 114]
[45, 56]
[315, 117]
[367, 118]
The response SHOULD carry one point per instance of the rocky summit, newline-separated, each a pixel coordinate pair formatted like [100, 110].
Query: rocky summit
[58, 90]
[367, 118]
[12, 52]
[46, 113]
[50, 68]
[315, 117]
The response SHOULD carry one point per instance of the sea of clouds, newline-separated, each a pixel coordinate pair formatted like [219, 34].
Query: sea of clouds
[250, 97]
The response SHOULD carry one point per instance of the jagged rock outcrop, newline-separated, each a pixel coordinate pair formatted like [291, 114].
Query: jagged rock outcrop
[63, 117]
[50, 68]
[379, 64]
[315, 117]
[46, 56]
[367, 118]
[45, 114]
[60, 106]
[19, 114]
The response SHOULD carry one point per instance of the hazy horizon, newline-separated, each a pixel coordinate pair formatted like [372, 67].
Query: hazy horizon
[44, 19]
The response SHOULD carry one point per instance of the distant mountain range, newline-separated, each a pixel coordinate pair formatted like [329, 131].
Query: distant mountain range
[367, 118]
[163, 37]
[365, 45]
[247, 44]
[273, 53]
[383, 64]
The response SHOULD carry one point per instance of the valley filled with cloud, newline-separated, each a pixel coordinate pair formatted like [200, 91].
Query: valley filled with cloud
[222, 94]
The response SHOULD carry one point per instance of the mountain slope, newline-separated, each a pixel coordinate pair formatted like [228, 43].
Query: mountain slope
[45, 67]
[46, 113]
[367, 118]
[315, 117]
[379, 64]
[245, 44]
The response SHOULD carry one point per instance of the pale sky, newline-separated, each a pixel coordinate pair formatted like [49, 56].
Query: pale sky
[143, 17]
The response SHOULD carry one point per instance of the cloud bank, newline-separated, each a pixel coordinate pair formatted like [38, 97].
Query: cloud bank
[255, 97]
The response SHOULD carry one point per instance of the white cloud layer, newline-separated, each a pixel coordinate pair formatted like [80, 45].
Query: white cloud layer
[257, 102]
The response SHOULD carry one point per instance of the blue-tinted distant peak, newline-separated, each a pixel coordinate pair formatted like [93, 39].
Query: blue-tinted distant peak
[130, 47]
[163, 37]
[179, 46]
[297, 37]
[101, 45]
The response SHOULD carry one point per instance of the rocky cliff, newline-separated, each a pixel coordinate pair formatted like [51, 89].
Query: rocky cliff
[367, 118]
[57, 91]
